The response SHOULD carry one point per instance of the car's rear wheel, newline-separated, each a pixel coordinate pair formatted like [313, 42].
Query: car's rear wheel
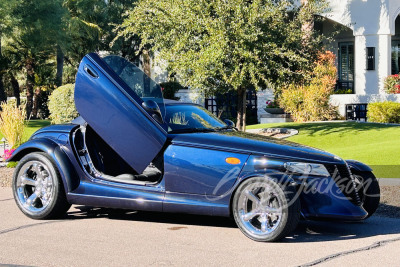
[38, 189]
[265, 210]
[368, 189]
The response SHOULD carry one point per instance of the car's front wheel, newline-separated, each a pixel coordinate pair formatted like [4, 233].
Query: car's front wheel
[38, 189]
[265, 210]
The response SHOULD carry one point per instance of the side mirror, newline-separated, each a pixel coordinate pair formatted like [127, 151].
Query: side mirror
[153, 109]
[229, 123]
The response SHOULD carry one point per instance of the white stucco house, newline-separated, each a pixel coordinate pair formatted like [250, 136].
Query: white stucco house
[367, 50]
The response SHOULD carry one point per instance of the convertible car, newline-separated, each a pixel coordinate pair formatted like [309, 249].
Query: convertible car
[131, 149]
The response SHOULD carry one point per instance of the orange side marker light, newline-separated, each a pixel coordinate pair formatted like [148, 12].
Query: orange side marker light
[232, 161]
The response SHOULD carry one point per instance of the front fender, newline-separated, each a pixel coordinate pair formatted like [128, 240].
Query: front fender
[54, 151]
[358, 166]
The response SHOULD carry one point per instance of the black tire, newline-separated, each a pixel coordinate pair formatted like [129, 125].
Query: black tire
[279, 196]
[53, 203]
[368, 190]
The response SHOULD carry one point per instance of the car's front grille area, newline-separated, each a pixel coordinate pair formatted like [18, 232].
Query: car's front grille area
[345, 181]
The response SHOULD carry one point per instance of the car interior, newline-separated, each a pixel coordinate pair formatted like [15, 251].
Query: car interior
[101, 161]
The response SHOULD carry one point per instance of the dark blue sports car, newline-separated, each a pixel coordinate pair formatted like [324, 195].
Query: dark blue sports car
[130, 149]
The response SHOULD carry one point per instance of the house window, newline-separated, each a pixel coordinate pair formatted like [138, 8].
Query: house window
[345, 84]
[395, 57]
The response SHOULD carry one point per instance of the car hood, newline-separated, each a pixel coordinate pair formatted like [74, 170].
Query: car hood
[254, 144]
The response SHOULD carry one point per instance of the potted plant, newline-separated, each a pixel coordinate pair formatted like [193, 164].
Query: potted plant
[273, 107]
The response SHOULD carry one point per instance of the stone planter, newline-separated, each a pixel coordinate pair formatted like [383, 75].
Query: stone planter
[275, 110]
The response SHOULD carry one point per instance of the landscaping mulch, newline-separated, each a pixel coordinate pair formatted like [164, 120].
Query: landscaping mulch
[390, 202]
[6, 176]
[389, 207]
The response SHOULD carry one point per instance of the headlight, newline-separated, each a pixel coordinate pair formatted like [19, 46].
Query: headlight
[307, 169]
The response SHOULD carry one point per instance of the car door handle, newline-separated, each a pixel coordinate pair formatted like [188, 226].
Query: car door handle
[89, 70]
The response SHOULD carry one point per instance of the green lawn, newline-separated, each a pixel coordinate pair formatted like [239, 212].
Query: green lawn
[31, 127]
[374, 144]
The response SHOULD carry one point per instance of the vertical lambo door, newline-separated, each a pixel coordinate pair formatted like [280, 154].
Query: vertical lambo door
[124, 108]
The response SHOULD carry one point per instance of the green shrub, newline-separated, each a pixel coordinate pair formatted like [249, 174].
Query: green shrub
[61, 104]
[310, 101]
[384, 112]
[12, 164]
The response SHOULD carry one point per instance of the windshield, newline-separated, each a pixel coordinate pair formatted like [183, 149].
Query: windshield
[137, 81]
[191, 118]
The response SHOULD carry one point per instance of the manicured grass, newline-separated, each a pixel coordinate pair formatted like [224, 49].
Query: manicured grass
[31, 127]
[377, 145]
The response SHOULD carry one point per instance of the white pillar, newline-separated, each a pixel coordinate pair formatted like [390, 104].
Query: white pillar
[360, 64]
[370, 82]
[384, 62]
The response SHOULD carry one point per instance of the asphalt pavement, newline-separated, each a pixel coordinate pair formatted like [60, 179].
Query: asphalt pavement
[89, 237]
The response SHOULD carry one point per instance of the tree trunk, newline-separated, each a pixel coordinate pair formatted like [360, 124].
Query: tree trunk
[241, 109]
[60, 66]
[147, 71]
[15, 86]
[36, 103]
[308, 25]
[3, 96]
[30, 82]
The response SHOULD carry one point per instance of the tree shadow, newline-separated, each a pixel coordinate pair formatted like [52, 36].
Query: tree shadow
[38, 123]
[338, 127]
[307, 231]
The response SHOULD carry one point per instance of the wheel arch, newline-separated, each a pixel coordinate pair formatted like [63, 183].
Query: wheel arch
[68, 174]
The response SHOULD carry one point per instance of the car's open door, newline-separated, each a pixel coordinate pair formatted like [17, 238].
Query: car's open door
[109, 95]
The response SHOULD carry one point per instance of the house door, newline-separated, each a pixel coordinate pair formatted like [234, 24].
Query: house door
[346, 67]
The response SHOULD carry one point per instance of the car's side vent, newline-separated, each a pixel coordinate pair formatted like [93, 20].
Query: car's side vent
[345, 181]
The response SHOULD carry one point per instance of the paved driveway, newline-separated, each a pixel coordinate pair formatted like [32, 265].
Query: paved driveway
[100, 237]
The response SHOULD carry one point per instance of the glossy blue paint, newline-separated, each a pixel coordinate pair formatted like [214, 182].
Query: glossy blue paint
[358, 166]
[100, 193]
[193, 179]
[114, 111]
[241, 142]
[57, 154]
[205, 172]
[322, 198]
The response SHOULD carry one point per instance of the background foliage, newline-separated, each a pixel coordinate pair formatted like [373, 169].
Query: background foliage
[223, 45]
[12, 123]
[62, 105]
[310, 101]
[42, 43]
[392, 84]
[384, 112]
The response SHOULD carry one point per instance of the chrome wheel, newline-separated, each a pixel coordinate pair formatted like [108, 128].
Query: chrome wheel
[34, 187]
[265, 210]
[260, 209]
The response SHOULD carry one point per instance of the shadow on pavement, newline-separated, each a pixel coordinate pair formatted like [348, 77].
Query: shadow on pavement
[307, 231]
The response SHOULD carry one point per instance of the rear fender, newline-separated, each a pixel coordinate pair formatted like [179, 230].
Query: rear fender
[68, 174]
